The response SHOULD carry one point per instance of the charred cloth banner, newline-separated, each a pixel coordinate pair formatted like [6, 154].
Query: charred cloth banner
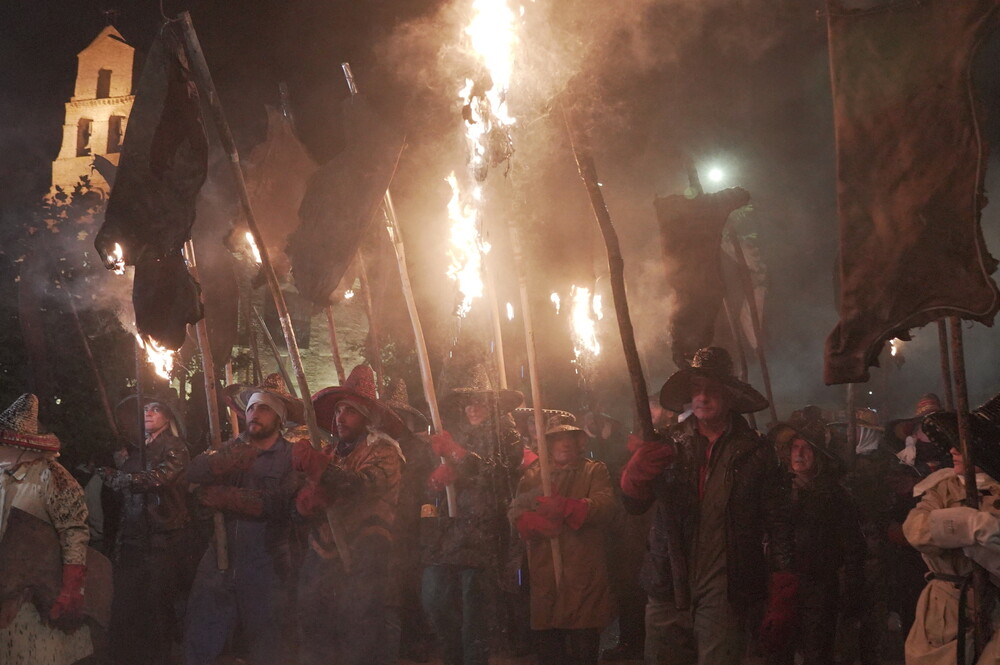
[691, 239]
[151, 210]
[910, 165]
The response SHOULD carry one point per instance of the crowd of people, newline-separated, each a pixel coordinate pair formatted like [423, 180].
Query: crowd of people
[708, 544]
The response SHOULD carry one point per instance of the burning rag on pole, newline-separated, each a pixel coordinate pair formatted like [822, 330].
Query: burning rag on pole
[152, 206]
[691, 238]
[340, 202]
[910, 167]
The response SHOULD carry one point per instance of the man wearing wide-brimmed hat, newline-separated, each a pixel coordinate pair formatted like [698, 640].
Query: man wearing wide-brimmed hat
[482, 451]
[251, 480]
[344, 581]
[567, 615]
[293, 427]
[34, 484]
[154, 542]
[719, 485]
[829, 546]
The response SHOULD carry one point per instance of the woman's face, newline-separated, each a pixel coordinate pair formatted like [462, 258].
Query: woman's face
[476, 412]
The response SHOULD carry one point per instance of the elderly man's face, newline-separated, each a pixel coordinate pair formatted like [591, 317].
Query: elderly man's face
[566, 447]
[350, 422]
[155, 418]
[262, 421]
[803, 458]
[710, 400]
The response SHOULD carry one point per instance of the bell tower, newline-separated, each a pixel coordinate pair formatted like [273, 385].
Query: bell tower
[97, 113]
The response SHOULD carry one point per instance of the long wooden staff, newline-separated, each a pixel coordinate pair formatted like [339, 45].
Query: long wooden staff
[207, 85]
[274, 351]
[334, 345]
[102, 390]
[212, 400]
[536, 388]
[616, 267]
[949, 394]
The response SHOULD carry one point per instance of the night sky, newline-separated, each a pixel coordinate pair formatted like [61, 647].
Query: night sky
[743, 84]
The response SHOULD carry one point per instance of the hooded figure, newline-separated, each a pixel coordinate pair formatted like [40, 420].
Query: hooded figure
[40, 502]
[353, 487]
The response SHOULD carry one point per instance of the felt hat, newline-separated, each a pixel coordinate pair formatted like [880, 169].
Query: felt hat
[807, 425]
[477, 385]
[360, 388]
[238, 395]
[711, 362]
[984, 434]
[19, 427]
[127, 421]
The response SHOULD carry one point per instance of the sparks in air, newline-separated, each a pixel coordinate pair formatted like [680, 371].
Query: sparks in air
[253, 248]
[160, 357]
[466, 249]
[584, 326]
[117, 260]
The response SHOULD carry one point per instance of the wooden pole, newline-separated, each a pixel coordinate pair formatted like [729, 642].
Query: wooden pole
[334, 346]
[852, 417]
[207, 86]
[616, 268]
[374, 339]
[741, 356]
[419, 341]
[498, 355]
[234, 418]
[212, 403]
[274, 351]
[102, 390]
[536, 389]
[949, 394]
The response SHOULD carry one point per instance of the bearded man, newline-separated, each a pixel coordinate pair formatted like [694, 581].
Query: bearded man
[250, 479]
[718, 484]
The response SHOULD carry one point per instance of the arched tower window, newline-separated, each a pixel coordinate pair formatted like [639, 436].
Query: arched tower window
[103, 83]
[83, 131]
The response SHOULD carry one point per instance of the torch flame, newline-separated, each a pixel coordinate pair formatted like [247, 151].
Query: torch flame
[895, 346]
[584, 328]
[348, 294]
[554, 297]
[510, 312]
[466, 249]
[253, 248]
[117, 260]
[598, 307]
[161, 358]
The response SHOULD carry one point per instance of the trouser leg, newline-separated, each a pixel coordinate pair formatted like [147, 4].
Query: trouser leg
[475, 620]
[583, 646]
[359, 627]
[718, 628]
[442, 598]
[211, 613]
[257, 599]
[669, 635]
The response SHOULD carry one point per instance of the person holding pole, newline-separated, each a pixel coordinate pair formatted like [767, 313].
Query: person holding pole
[341, 600]
[251, 480]
[567, 618]
[154, 548]
[461, 550]
[721, 484]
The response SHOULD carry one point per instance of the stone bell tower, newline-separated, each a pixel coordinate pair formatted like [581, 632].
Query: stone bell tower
[97, 113]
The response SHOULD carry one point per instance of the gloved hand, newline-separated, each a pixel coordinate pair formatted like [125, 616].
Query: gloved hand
[560, 510]
[782, 610]
[69, 602]
[232, 499]
[113, 478]
[309, 460]
[311, 500]
[445, 446]
[649, 459]
[533, 525]
[239, 456]
[441, 477]
[528, 458]
[962, 526]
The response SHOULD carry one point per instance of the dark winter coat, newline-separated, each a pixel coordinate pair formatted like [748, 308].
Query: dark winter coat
[161, 486]
[758, 511]
[476, 537]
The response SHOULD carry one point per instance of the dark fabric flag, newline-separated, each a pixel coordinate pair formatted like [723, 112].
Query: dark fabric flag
[910, 166]
[152, 205]
[340, 203]
[691, 239]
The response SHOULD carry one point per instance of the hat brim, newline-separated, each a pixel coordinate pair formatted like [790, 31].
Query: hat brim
[783, 434]
[524, 414]
[676, 392]
[401, 408]
[237, 396]
[325, 404]
[942, 429]
[896, 432]
[125, 416]
[566, 429]
[48, 443]
[507, 400]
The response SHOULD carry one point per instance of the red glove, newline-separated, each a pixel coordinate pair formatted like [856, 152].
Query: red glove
[441, 477]
[446, 447]
[782, 610]
[238, 457]
[533, 525]
[232, 499]
[310, 500]
[528, 458]
[309, 460]
[560, 510]
[576, 512]
[69, 602]
[649, 459]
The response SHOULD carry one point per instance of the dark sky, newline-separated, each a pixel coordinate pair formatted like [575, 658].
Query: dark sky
[739, 83]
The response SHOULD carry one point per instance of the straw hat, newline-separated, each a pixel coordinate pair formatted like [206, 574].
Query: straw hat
[19, 427]
[711, 362]
[525, 414]
[478, 385]
[359, 387]
[397, 398]
[237, 395]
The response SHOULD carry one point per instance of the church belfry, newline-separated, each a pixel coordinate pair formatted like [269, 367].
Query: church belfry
[97, 113]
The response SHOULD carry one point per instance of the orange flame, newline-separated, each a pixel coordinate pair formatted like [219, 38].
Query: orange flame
[161, 358]
[117, 258]
[253, 248]
[466, 250]
[583, 326]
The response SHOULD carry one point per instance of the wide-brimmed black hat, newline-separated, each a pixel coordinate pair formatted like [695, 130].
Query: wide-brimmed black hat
[805, 425]
[237, 396]
[897, 431]
[711, 362]
[984, 434]
[126, 417]
[397, 398]
[360, 388]
[477, 385]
